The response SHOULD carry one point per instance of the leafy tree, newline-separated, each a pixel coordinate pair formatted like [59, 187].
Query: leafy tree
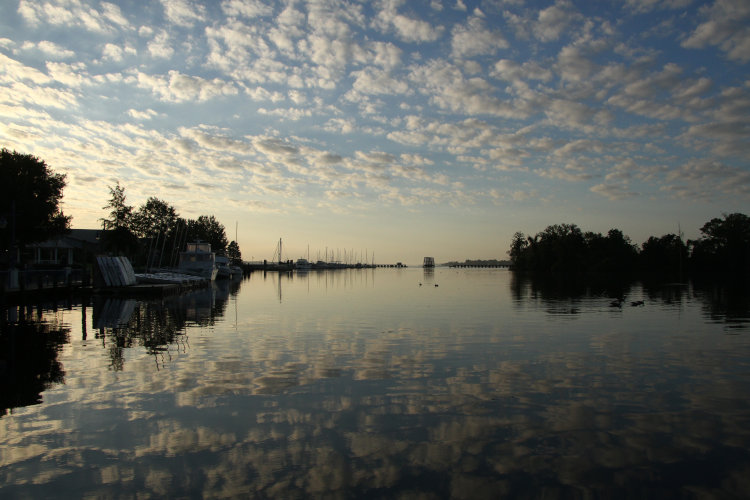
[156, 220]
[154, 217]
[119, 237]
[517, 247]
[724, 246]
[121, 214]
[565, 248]
[620, 254]
[560, 247]
[31, 193]
[666, 254]
[233, 252]
[208, 228]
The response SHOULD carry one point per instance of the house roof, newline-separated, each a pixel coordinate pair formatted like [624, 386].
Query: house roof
[86, 235]
[75, 238]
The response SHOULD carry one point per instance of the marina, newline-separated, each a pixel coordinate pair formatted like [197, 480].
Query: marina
[349, 261]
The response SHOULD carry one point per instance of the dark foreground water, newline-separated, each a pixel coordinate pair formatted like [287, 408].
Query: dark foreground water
[366, 384]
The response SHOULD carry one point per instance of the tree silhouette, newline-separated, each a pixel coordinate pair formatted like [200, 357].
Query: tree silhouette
[724, 246]
[233, 252]
[208, 228]
[154, 217]
[119, 236]
[667, 254]
[121, 214]
[30, 199]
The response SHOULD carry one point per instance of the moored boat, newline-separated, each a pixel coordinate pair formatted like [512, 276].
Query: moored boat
[303, 265]
[198, 260]
[223, 270]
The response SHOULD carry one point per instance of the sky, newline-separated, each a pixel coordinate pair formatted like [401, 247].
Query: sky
[393, 129]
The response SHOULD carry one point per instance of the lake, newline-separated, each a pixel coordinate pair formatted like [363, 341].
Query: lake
[381, 383]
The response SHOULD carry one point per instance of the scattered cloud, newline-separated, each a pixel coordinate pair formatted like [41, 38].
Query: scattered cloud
[406, 28]
[160, 47]
[568, 173]
[554, 20]
[184, 12]
[449, 89]
[474, 38]
[704, 179]
[246, 8]
[613, 191]
[464, 105]
[70, 14]
[725, 25]
[142, 115]
[177, 87]
[50, 49]
[643, 6]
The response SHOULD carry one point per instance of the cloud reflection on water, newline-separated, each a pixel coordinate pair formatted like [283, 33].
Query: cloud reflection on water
[639, 402]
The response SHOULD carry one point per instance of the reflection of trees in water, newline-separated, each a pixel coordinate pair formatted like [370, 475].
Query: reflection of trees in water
[727, 301]
[156, 325]
[554, 289]
[28, 361]
[657, 290]
[151, 326]
[722, 300]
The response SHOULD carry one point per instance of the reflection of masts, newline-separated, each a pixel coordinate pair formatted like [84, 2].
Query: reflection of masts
[279, 274]
[679, 248]
[83, 321]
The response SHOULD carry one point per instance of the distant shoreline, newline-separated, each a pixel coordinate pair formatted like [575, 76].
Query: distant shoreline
[478, 263]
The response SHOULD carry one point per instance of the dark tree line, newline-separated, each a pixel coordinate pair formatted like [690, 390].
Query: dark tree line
[724, 247]
[154, 233]
[30, 201]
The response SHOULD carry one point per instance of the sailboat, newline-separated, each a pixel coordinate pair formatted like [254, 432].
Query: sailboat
[280, 265]
[303, 264]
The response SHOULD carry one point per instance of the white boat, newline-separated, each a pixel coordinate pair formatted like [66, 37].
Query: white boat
[223, 270]
[303, 265]
[198, 260]
[227, 270]
[167, 278]
[236, 272]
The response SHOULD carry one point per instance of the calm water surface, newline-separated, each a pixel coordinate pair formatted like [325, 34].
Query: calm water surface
[364, 383]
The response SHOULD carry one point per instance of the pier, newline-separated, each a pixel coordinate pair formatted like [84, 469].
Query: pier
[289, 266]
[503, 265]
[351, 260]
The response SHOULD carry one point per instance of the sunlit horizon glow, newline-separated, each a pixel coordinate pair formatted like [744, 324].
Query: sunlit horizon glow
[402, 129]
